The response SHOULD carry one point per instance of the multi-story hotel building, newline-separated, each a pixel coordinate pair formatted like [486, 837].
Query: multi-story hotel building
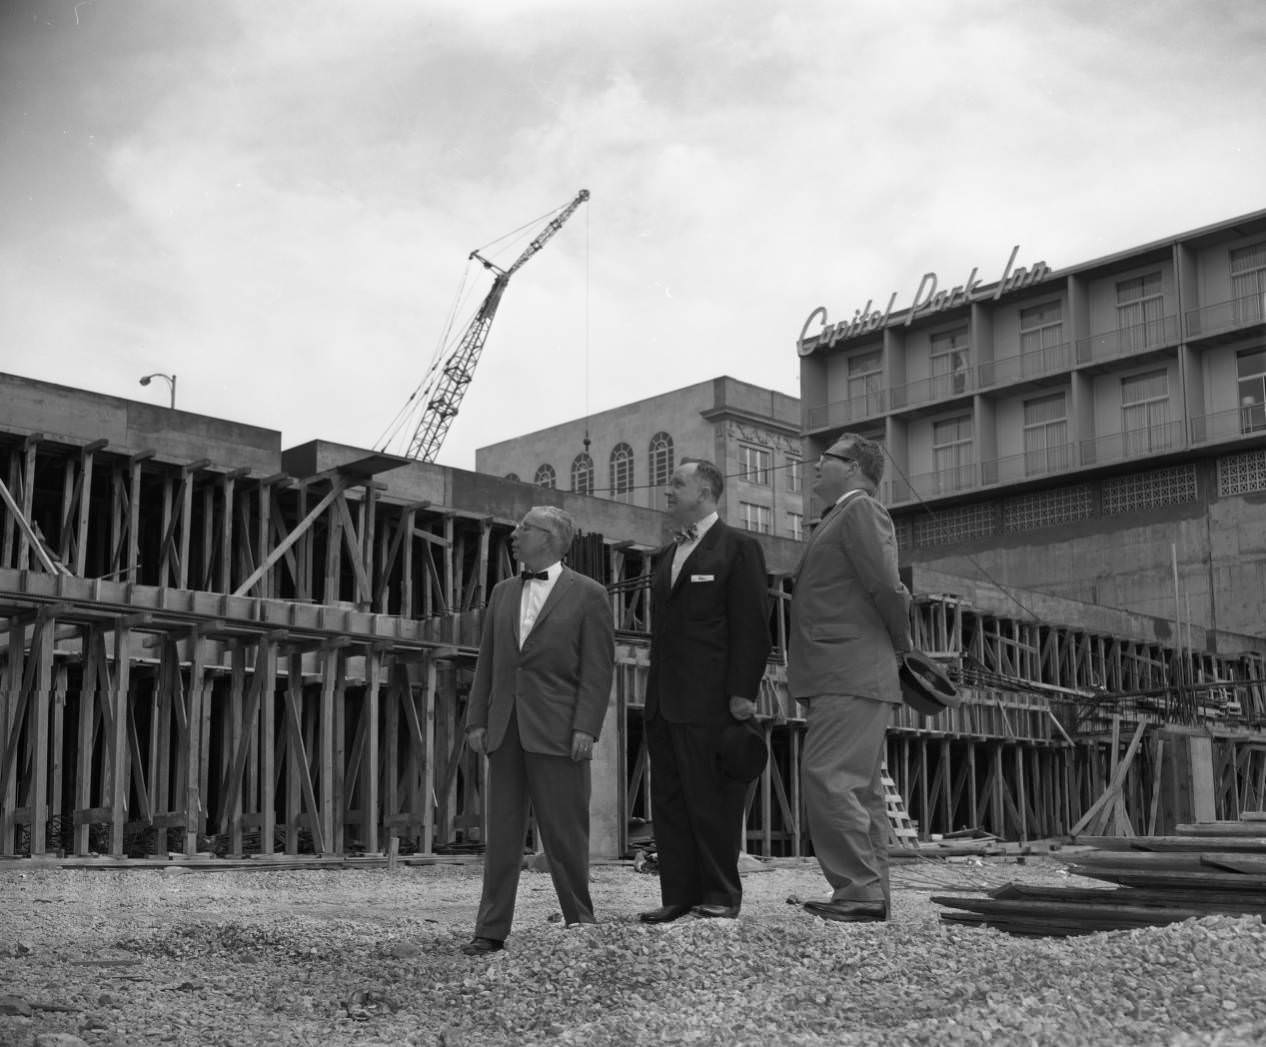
[629, 452]
[1098, 431]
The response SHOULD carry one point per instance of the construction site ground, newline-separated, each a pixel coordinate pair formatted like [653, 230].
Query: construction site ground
[178, 954]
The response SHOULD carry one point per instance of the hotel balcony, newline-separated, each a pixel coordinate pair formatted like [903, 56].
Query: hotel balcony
[1127, 341]
[842, 412]
[1228, 425]
[937, 389]
[1223, 317]
[1134, 443]
[1039, 363]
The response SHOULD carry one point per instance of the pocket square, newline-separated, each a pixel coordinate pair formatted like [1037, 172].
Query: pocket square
[703, 577]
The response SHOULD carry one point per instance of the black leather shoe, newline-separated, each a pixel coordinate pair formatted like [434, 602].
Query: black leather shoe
[716, 912]
[482, 946]
[849, 912]
[664, 914]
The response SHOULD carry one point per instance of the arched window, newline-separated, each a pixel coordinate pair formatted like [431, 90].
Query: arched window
[545, 476]
[582, 474]
[622, 472]
[512, 476]
[661, 459]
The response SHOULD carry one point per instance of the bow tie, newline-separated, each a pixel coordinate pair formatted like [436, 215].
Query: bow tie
[540, 576]
[688, 534]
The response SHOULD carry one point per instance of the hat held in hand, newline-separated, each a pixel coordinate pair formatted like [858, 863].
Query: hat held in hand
[743, 754]
[925, 686]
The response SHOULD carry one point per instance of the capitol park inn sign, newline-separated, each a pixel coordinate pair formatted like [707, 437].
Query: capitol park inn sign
[926, 302]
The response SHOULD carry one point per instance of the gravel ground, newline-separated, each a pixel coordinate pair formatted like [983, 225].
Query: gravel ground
[369, 956]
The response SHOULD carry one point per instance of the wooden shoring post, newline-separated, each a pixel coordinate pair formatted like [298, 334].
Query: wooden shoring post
[973, 795]
[331, 590]
[305, 584]
[293, 724]
[186, 518]
[9, 688]
[267, 745]
[925, 797]
[997, 806]
[451, 565]
[405, 538]
[10, 522]
[235, 730]
[767, 798]
[480, 588]
[196, 745]
[369, 774]
[330, 733]
[119, 762]
[263, 542]
[167, 533]
[207, 560]
[92, 642]
[1020, 792]
[390, 769]
[795, 803]
[339, 759]
[368, 532]
[42, 655]
[427, 845]
[362, 594]
[25, 544]
[228, 496]
[941, 788]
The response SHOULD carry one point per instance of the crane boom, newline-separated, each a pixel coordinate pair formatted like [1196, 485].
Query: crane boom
[444, 396]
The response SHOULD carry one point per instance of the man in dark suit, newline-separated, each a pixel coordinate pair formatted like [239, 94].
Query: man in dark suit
[850, 624]
[540, 693]
[709, 642]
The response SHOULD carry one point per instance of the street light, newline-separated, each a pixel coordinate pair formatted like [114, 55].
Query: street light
[170, 379]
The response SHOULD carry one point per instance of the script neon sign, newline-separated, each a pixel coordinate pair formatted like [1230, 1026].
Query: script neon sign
[928, 299]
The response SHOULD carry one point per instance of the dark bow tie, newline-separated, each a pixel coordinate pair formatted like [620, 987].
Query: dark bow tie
[540, 576]
[687, 534]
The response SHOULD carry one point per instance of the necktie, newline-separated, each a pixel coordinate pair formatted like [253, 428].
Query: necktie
[687, 534]
[540, 576]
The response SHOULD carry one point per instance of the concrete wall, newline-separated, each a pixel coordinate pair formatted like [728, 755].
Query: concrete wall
[77, 417]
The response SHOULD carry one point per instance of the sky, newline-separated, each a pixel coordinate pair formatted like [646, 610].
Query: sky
[276, 202]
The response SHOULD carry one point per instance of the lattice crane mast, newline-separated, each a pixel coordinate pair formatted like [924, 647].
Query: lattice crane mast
[444, 391]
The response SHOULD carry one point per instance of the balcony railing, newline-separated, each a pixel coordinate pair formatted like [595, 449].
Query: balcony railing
[1036, 364]
[1016, 467]
[933, 485]
[842, 412]
[1226, 316]
[933, 390]
[1135, 443]
[1227, 425]
[1126, 341]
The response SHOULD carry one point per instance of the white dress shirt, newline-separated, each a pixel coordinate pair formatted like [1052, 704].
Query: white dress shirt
[684, 549]
[535, 592]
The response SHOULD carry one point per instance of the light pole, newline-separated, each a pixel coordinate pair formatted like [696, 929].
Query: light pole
[170, 379]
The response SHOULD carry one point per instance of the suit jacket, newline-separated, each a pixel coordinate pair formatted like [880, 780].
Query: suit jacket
[710, 631]
[559, 681]
[850, 614]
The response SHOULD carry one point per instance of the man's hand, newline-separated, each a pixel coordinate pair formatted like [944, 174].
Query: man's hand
[581, 746]
[475, 739]
[742, 708]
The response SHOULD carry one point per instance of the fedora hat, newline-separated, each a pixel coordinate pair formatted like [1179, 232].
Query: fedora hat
[925, 687]
[743, 754]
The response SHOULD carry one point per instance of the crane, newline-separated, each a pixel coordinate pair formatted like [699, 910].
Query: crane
[445, 387]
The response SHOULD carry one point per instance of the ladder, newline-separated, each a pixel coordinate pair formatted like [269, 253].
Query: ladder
[902, 832]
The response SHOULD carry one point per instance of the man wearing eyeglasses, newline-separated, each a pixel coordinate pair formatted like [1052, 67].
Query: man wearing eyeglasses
[850, 624]
[540, 693]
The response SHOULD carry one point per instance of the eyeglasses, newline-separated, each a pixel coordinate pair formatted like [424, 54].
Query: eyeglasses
[525, 526]
[837, 457]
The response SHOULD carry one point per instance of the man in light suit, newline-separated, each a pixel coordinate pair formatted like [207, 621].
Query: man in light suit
[542, 682]
[850, 624]
[709, 643]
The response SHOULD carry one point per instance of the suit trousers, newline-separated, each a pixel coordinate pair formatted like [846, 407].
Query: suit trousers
[697, 814]
[558, 789]
[844, 796]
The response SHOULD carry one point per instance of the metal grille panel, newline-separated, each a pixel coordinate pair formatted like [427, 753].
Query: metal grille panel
[1149, 490]
[1047, 508]
[1242, 473]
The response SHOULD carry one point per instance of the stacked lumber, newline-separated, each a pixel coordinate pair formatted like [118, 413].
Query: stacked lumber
[1207, 869]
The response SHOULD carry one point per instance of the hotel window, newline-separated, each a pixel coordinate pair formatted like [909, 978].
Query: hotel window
[1041, 339]
[582, 474]
[866, 383]
[622, 472]
[1045, 435]
[545, 476]
[758, 518]
[795, 525]
[952, 454]
[950, 361]
[754, 464]
[1251, 369]
[1145, 413]
[793, 474]
[661, 459]
[1248, 283]
[1139, 309]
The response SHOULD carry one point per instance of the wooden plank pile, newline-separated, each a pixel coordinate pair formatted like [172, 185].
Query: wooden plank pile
[1208, 868]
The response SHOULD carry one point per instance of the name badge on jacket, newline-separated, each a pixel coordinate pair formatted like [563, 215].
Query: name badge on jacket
[703, 577]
